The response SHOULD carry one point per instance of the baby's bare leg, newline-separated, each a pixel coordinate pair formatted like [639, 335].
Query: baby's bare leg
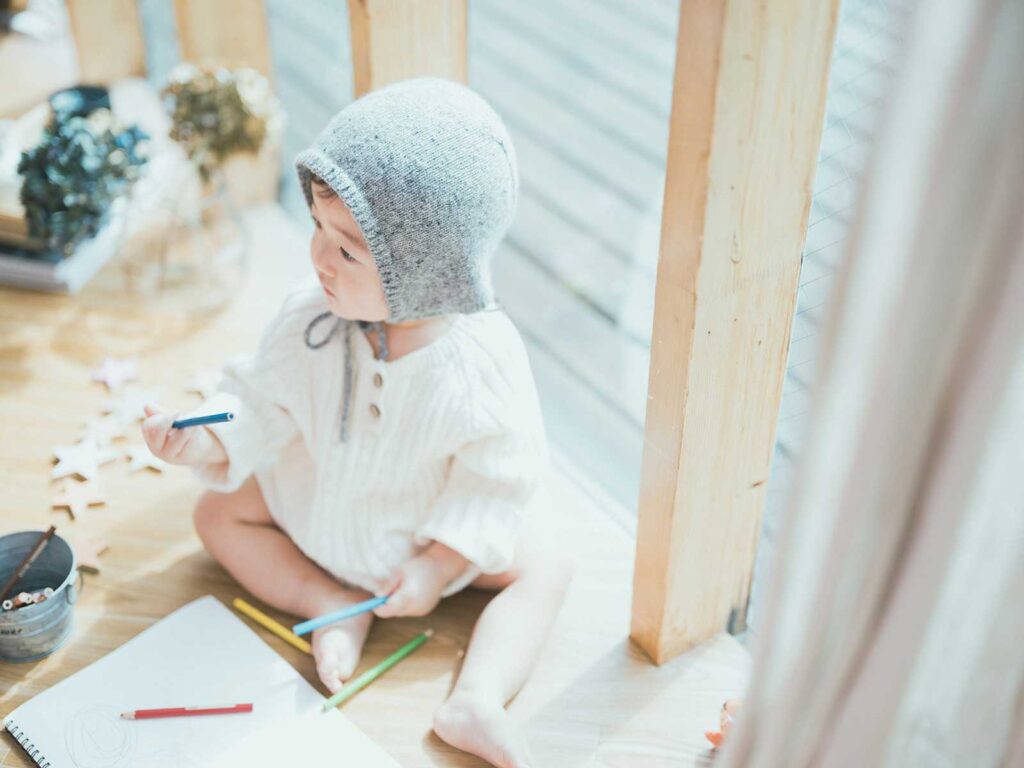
[503, 650]
[238, 531]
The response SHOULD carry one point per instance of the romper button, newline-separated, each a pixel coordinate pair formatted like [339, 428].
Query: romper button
[378, 380]
[375, 410]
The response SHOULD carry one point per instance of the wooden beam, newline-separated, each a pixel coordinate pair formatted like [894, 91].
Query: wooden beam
[108, 38]
[396, 39]
[747, 111]
[228, 32]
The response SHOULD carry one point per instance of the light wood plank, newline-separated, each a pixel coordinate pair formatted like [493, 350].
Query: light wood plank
[393, 40]
[232, 33]
[634, 177]
[602, 443]
[601, 355]
[559, 35]
[622, 31]
[581, 262]
[658, 18]
[567, 190]
[748, 105]
[588, 95]
[108, 38]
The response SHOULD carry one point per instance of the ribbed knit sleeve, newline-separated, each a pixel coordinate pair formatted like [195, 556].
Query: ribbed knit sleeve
[489, 485]
[258, 389]
[493, 476]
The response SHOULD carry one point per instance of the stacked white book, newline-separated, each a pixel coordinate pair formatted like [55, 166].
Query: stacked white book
[49, 271]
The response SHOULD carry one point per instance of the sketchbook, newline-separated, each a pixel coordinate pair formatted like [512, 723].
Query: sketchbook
[201, 654]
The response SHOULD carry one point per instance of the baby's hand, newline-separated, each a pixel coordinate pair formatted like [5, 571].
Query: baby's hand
[415, 589]
[189, 447]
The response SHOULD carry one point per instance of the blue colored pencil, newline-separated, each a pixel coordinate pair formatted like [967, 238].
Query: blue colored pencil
[213, 418]
[344, 613]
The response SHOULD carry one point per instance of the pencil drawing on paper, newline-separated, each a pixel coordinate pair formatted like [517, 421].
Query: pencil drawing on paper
[97, 737]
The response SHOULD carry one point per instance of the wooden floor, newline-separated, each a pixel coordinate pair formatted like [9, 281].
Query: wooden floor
[594, 701]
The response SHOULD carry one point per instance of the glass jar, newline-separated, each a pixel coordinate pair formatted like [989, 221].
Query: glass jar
[184, 247]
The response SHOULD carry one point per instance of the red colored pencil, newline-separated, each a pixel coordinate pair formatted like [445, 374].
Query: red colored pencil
[146, 714]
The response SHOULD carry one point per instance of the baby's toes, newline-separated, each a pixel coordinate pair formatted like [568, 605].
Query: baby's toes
[330, 676]
[336, 657]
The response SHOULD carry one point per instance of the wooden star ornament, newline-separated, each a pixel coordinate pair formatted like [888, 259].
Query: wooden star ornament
[116, 372]
[140, 457]
[87, 553]
[76, 497]
[82, 459]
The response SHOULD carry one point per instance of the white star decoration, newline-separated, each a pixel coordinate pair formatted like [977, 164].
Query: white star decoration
[139, 457]
[82, 459]
[114, 372]
[128, 408]
[104, 430]
[205, 382]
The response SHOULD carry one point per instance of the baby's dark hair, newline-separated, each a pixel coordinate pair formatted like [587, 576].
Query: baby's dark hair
[320, 188]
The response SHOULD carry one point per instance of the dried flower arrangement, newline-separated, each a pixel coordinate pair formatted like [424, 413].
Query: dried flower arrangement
[72, 177]
[217, 112]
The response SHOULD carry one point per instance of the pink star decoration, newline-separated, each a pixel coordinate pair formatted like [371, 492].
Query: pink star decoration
[76, 497]
[87, 553]
[114, 372]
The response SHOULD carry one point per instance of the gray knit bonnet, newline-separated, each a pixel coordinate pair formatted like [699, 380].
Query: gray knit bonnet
[428, 171]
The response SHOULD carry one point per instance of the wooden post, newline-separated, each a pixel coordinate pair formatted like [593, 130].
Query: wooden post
[108, 38]
[229, 32]
[396, 39]
[747, 110]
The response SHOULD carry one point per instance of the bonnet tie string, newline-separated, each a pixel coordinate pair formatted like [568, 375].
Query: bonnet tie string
[382, 344]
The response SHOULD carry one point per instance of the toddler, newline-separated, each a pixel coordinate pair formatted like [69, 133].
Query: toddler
[387, 437]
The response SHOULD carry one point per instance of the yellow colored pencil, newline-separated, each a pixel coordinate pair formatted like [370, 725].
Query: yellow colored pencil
[281, 631]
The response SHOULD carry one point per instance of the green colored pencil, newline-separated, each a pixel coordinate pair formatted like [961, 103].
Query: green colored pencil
[374, 672]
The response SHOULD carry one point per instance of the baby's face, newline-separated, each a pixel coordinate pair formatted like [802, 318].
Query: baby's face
[343, 262]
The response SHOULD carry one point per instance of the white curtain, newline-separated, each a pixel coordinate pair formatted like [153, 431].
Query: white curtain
[895, 626]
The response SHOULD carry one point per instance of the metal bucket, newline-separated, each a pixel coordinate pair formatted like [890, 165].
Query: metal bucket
[35, 631]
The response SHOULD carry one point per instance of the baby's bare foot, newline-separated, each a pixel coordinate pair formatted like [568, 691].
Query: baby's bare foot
[483, 728]
[338, 647]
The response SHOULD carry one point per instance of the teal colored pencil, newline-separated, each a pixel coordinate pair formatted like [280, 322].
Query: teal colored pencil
[196, 421]
[373, 673]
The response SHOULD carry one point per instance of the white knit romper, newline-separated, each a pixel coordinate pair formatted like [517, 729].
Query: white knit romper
[444, 444]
